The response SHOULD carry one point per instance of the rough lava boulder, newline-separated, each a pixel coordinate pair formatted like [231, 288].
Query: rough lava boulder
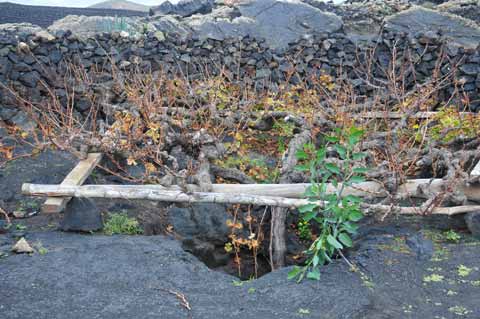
[421, 20]
[184, 8]
[469, 9]
[278, 22]
[88, 25]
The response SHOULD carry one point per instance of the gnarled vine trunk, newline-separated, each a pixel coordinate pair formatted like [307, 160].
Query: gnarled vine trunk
[279, 214]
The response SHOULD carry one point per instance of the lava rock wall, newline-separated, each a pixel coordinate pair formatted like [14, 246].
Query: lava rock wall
[34, 61]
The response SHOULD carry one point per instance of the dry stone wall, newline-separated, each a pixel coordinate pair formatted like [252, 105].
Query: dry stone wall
[30, 56]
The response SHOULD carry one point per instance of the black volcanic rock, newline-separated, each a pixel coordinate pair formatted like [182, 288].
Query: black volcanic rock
[417, 20]
[184, 8]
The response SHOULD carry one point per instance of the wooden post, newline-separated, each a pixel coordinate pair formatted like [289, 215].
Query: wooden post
[76, 177]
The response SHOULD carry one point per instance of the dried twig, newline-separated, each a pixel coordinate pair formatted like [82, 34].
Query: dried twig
[4, 213]
[183, 300]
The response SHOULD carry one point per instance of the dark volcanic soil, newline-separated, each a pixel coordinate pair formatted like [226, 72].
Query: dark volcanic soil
[91, 276]
[407, 270]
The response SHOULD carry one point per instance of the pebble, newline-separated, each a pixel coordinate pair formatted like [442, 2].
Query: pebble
[19, 214]
[22, 247]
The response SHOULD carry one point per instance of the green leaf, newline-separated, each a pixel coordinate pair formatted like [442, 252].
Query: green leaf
[307, 208]
[353, 140]
[332, 168]
[301, 155]
[323, 188]
[326, 176]
[314, 274]
[356, 132]
[352, 199]
[334, 242]
[294, 272]
[355, 215]
[360, 170]
[349, 227]
[331, 198]
[331, 220]
[357, 179]
[309, 147]
[321, 153]
[345, 239]
[341, 150]
[330, 250]
[309, 215]
[327, 257]
[302, 168]
[359, 156]
[311, 191]
[332, 139]
[315, 260]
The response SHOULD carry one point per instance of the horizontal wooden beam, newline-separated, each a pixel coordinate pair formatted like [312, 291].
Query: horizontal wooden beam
[411, 188]
[159, 193]
[399, 115]
[77, 176]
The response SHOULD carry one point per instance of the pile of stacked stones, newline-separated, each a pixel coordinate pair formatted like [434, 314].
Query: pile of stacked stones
[31, 57]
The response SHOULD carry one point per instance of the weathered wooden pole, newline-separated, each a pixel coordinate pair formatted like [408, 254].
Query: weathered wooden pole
[151, 192]
[411, 188]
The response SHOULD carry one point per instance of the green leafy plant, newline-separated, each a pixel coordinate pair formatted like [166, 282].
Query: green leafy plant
[464, 271]
[304, 231]
[20, 227]
[452, 236]
[120, 223]
[449, 125]
[256, 168]
[285, 131]
[459, 310]
[335, 212]
[433, 278]
[303, 311]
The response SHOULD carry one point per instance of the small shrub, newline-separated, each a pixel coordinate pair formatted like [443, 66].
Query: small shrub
[120, 223]
[433, 278]
[20, 227]
[452, 236]
[449, 125]
[335, 213]
[459, 310]
[464, 271]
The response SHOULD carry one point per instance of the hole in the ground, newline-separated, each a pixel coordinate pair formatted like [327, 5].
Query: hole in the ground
[234, 240]
[243, 264]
